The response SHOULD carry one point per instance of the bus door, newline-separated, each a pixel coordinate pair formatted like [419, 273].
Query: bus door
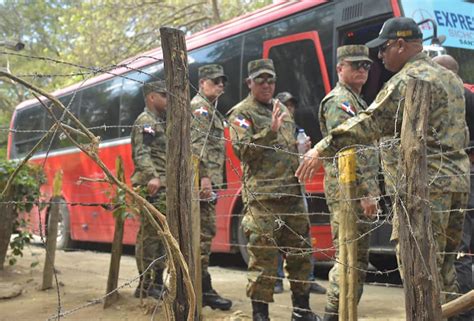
[301, 69]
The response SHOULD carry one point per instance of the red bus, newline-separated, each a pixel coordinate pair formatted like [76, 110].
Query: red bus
[300, 36]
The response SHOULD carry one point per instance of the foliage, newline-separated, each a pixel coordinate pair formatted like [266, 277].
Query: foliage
[24, 193]
[91, 36]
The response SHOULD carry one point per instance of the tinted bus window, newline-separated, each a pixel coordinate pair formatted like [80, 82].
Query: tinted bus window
[300, 65]
[58, 139]
[100, 108]
[29, 126]
[133, 103]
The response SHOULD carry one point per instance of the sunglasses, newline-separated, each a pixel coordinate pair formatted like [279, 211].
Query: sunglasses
[260, 80]
[356, 65]
[218, 81]
[385, 46]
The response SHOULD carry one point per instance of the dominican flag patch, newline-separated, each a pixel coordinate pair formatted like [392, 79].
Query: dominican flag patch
[147, 129]
[346, 106]
[201, 111]
[242, 122]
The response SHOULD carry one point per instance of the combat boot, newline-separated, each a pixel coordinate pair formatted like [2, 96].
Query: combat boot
[154, 289]
[211, 298]
[330, 315]
[301, 309]
[260, 311]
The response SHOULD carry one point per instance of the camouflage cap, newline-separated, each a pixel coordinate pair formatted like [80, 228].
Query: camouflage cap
[394, 28]
[261, 66]
[211, 72]
[353, 53]
[158, 86]
[286, 96]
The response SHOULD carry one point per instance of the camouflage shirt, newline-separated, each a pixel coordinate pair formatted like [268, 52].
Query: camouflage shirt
[149, 148]
[448, 163]
[207, 137]
[268, 159]
[337, 107]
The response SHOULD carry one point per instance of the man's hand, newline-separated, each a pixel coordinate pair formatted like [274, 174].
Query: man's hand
[206, 188]
[369, 204]
[309, 166]
[153, 186]
[277, 118]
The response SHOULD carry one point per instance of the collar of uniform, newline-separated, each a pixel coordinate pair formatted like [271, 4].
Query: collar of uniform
[356, 95]
[157, 116]
[418, 56]
[204, 99]
[268, 106]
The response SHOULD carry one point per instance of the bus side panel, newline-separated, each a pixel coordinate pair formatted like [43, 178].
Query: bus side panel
[90, 221]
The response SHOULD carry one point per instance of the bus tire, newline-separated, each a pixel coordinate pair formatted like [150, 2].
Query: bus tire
[63, 241]
[242, 240]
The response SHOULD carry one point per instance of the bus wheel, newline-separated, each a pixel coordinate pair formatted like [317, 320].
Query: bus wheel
[242, 240]
[63, 241]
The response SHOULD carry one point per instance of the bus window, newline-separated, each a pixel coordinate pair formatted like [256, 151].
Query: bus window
[29, 123]
[59, 140]
[133, 103]
[100, 108]
[298, 61]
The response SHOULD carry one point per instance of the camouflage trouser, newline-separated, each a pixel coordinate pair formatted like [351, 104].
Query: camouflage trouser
[149, 244]
[271, 225]
[208, 231]
[447, 217]
[363, 228]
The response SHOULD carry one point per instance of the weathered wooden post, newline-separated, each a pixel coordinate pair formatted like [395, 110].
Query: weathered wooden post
[417, 251]
[348, 278]
[178, 160]
[48, 270]
[117, 245]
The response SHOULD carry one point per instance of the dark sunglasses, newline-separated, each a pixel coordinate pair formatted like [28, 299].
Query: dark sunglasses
[219, 80]
[356, 65]
[385, 46]
[260, 80]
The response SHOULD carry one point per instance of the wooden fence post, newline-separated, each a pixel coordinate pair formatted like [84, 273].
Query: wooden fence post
[348, 276]
[417, 251]
[51, 239]
[117, 245]
[178, 160]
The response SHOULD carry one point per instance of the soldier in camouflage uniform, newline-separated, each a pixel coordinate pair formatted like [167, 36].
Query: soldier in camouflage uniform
[207, 136]
[400, 48]
[149, 157]
[275, 217]
[342, 103]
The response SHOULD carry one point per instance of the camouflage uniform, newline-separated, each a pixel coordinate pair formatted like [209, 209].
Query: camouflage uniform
[448, 164]
[207, 136]
[275, 215]
[149, 141]
[341, 104]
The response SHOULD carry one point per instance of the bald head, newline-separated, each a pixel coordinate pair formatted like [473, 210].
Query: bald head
[447, 62]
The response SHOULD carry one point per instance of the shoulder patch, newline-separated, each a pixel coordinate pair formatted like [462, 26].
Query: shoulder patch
[242, 122]
[147, 129]
[201, 111]
[347, 107]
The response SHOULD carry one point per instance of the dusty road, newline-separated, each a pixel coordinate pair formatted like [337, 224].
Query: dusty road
[83, 274]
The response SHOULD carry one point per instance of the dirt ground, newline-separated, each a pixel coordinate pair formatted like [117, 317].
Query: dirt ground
[83, 275]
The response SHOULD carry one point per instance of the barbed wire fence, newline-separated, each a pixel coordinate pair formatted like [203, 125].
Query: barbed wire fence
[96, 190]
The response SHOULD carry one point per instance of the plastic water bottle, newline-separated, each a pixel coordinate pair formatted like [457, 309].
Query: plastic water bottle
[301, 142]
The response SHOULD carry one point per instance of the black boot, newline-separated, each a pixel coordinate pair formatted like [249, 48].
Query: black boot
[211, 298]
[154, 289]
[260, 311]
[330, 315]
[301, 309]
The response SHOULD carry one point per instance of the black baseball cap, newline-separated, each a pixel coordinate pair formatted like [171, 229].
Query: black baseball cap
[395, 28]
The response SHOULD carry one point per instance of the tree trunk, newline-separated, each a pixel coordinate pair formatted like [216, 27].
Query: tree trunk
[178, 160]
[7, 217]
[417, 251]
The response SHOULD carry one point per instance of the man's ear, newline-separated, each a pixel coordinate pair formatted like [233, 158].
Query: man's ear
[248, 81]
